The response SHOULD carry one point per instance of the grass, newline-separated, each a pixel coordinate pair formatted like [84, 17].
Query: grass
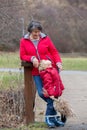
[33, 126]
[10, 80]
[9, 60]
[75, 64]
[12, 60]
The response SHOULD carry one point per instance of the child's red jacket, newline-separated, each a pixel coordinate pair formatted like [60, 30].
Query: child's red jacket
[52, 82]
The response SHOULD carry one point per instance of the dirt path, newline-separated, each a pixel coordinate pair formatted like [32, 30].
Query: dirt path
[76, 93]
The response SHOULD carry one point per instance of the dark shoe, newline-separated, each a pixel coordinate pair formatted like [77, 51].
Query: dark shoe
[58, 122]
[49, 122]
[63, 118]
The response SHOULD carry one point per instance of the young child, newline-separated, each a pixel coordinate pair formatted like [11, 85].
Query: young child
[51, 79]
[53, 86]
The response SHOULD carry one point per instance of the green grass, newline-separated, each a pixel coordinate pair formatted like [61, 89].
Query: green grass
[75, 64]
[9, 60]
[12, 60]
[10, 80]
[14, 80]
[37, 126]
[33, 126]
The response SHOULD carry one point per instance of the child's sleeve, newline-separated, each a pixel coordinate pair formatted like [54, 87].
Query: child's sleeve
[47, 82]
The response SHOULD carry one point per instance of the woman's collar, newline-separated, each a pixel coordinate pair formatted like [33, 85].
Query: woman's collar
[42, 35]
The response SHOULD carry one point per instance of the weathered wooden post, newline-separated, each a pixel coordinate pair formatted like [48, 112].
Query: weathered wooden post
[29, 92]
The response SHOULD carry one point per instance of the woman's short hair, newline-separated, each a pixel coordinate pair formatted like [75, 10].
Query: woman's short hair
[34, 25]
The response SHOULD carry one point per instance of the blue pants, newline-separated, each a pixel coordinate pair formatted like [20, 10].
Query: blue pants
[50, 108]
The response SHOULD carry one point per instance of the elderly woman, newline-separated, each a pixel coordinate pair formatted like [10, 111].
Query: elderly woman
[36, 46]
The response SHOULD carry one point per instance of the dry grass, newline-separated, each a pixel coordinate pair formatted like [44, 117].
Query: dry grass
[12, 108]
[64, 107]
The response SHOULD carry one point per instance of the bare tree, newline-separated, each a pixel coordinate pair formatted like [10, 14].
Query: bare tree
[64, 21]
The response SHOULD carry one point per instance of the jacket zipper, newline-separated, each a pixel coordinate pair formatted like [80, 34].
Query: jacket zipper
[38, 53]
[36, 48]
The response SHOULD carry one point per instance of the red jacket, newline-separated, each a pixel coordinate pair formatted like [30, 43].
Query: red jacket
[52, 82]
[45, 49]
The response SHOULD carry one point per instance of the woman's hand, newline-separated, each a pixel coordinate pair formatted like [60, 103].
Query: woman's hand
[35, 62]
[59, 65]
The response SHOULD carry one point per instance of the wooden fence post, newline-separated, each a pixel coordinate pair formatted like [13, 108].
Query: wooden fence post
[29, 92]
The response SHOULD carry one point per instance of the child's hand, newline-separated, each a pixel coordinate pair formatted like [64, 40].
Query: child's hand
[51, 96]
[45, 92]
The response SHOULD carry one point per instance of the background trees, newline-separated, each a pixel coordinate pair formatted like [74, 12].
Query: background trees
[64, 20]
